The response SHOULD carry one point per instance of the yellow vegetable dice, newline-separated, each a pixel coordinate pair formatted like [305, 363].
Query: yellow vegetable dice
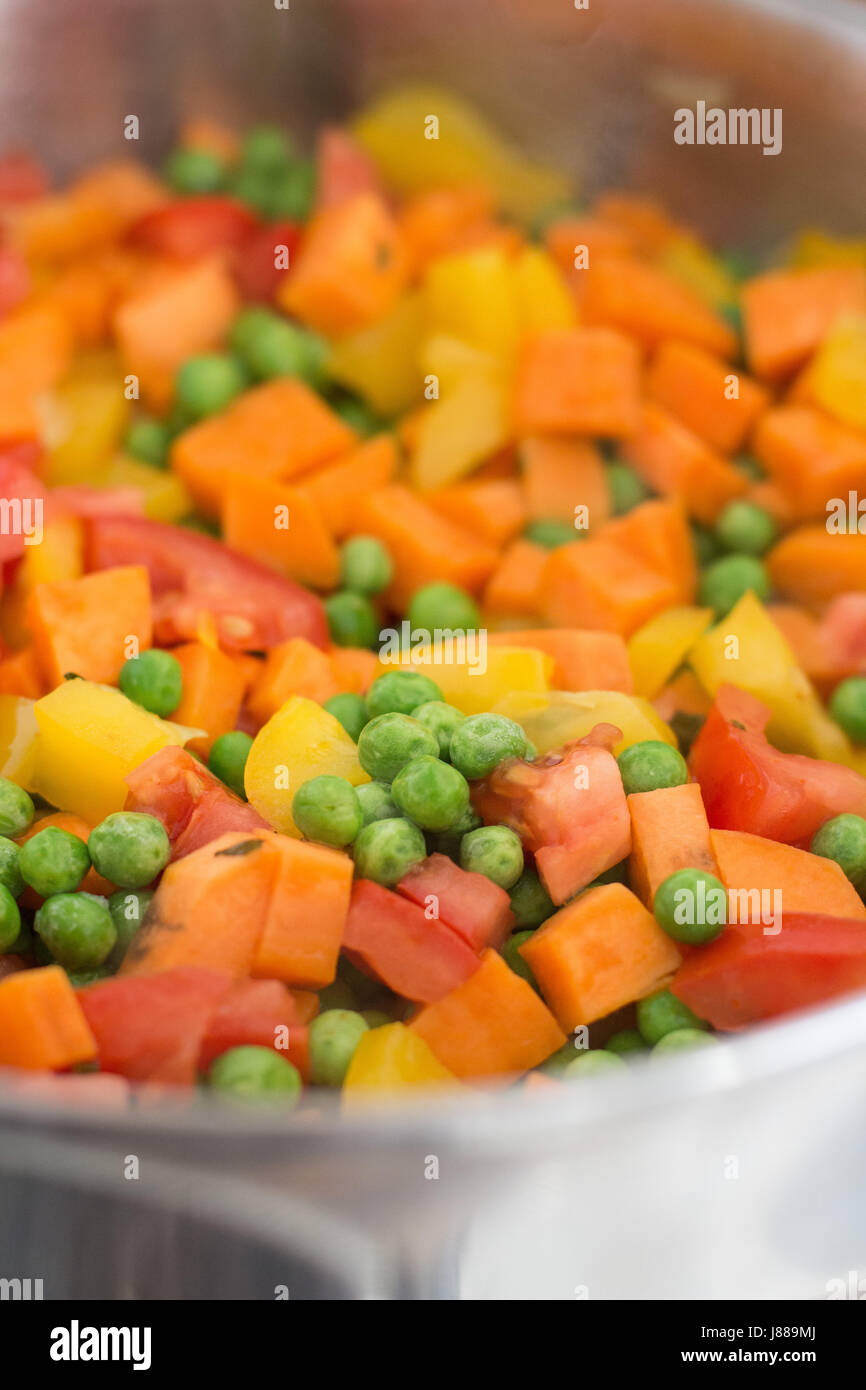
[543, 298]
[90, 736]
[388, 1059]
[59, 556]
[163, 495]
[457, 432]
[90, 417]
[549, 721]
[381, 362]
[689, 261]
[300, 741]
[17, 739]
[838, 372]
[473, 296]
[660, 646]
[476, 680]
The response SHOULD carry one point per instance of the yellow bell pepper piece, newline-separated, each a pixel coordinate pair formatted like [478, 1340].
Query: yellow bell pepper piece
[814, 249]
[450, 360]
[18, 731]
[689, 261]
[388, 1059]
[461, 429]
[397, 131]
[300, 741]
[837, 372]
[748, 650]
[549, 721]
[381, 362]
[59, 556]
[473, 296]
[543, 299]
[660, 646]
[90, 416]
[163, 495]
[90, 736]
[476, 680]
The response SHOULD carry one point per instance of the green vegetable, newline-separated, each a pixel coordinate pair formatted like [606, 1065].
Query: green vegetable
[194, 171]
[53, 861]
[326, 808]
[129, 848]
[647, 766]
[350, 710]
[627, 489]
[556, 1063]
[376, 1018]
[376, 802]
[390, 741]
[684, 1038]
[16, 809]
[291, 192]
[385, 850]
[10, 871]
[400, 692]
[365, 565]
[269, 345]
[356, 414]
[691, 905]
[746, 528]
[662, 1013]
[445, 607]
[10, 919]
[432, 793]
[551, 533]
[266, 148]
[148, 440]
[334, 1037]
[480, 743]
[495, 851]
[441, 720]
[352, 620]
[512, 957]
[530, 901]
[750, 467]
[127, 907]
[228, 758]
[77, 929]
[844, 839]
[593, 1063]
[153, 680]
[625, 1042]
[725, 582]
[256, 1073]
[208, 383]
[848, 707]
[337, 995]
[706, 546]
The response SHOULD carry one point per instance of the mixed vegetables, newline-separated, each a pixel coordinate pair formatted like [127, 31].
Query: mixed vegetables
[433, 619]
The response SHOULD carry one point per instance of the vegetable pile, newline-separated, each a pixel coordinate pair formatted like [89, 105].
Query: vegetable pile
[433, 626]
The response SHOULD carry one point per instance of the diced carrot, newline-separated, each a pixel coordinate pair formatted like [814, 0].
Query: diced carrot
[811, 565]
[306, 1004]
[774, 499]
[21, 674]
[514, 587]
[124, 189]
[423, 546]
[278, 430]
[669, 831]
[811, 457]
[351, 267]
[583, 660]
[74, 825]
[597, 953]
[433, 222]
[186, 312]
[84, 295]
[213, 688]
[210, 136]
[491, 1027]
[678, 463]
[19, 414]
[42, 1027]
[354, 668]
[577, 380]
[559, 476]
[599, 582]
[273, 522]
[249, 668]
[644, 219]
[501, 464]
[295, 667]
[683, 694]
[697, 388]
[337, 488]
[657, 533]
[651, 305]
[566, 237]
[306, 915]
[493, 510]
[84, 625]
[35, 349]
[786, 313]
[58, 228]
[791, 880]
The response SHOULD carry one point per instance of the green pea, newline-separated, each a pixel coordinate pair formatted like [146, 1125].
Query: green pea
[692, 906]
[10, 919]
[53, 861]
[148, 440]
[552, 533]
[208, 383]
[376, 802]
[441, 720]
[443, 607]
[593, 1063]
[352, 620]
[848, 707]
[194, 171]
[326, 808]
[80, 979]
[449, 841]
[267, 148]
[153, 680]
[661, 1013]
[684, 1038]
[844, 839]
[480, 743]
[337, 995]
[290, 193]
[746, 528]
[495, 851]
[269, 346]
[627, 489]
[385, 850]
[514, 960]
[706, 546]
[400, 692]
[557, 1062]
[77, 929]
[24, 944]
[725, 582]
[334, 1036]
[127, 907]
[432, 793]
[16, 809]
[365, 565]
[349, 710]
[530, 901]
[10, 871]
[625, 1043]
[390, 741]
[252, 1073]
[647, 766]
[129, 848]
[227, 759]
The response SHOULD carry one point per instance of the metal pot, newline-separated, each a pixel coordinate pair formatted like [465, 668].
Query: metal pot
[735, 1172]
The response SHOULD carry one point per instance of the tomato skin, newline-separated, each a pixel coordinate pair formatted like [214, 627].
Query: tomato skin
[392, 939]
[17, 481]
[256, 275]
[193, 575]
[14, 279]
[343, 169]
[843, 630]
[188, 228]
[747, 784]
[745, 975]
[193, 805]
[21, 178]
[251, 1013]
[478, 910]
